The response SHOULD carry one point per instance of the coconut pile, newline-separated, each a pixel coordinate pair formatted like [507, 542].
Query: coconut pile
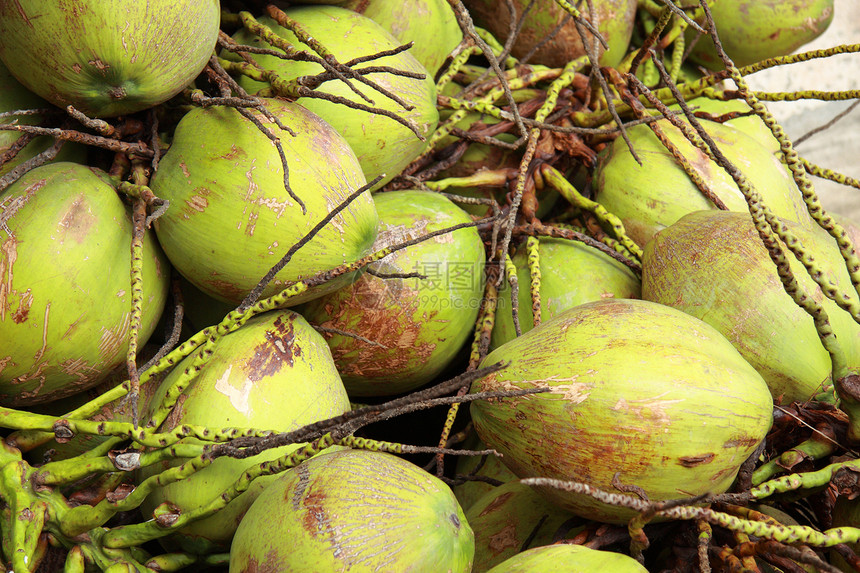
[420, 285]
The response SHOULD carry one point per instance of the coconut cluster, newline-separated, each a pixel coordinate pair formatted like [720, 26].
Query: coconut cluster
[276, 226]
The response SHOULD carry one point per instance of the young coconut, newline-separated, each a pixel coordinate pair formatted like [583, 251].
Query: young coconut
[383, 146]
[568, 557]
[753, 30]
[430, 24]
[709, 263]
[639, 394]
[231, 217]
[274, 373]
[107, 57]
[358, 511]
[414, 325]
[655, 194]
[65, 287]
[614, 20]
[571, 274]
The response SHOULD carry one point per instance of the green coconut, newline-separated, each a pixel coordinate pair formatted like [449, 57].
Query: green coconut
[571, 273]
[415, 325]
[510, 519]
[273, 373]
[65, 291]
[755, 30]
[430, 24]
[713, 265]
[655, 194]
[107, 57]
[492, 467]
[639, 394]
[14, 96]
[357, 511]
[231, 218]
[383, 146]
[568, 558]
[615, 19]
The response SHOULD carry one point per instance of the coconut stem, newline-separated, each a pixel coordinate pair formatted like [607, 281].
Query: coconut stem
[533, 259]
[138, 230]
[479, 349]
[830, 175]
[558, 182]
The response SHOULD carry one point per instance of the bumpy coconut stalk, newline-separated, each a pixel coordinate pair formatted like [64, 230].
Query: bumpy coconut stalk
[412, 327]
[231, 217]
[274, 373]
[354, 510]
[107, 57]
[654, 195]
[382, 145]
[754, 30]
[65, 291]
[568, 558]
[640, 394]
[571, 273]
[431, 24]
[117, 411]
[504, 519]
[712, 265]
[615, 20]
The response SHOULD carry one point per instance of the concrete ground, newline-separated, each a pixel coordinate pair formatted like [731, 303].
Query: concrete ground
[838, 147]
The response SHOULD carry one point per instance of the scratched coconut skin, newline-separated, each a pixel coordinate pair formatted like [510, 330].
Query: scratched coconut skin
[638, 390]
[55, 342]
[231, 218]
[137, 54]
[652, 196]
[358, 511]
[274, 373]
[422, 323]
[383, 146]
